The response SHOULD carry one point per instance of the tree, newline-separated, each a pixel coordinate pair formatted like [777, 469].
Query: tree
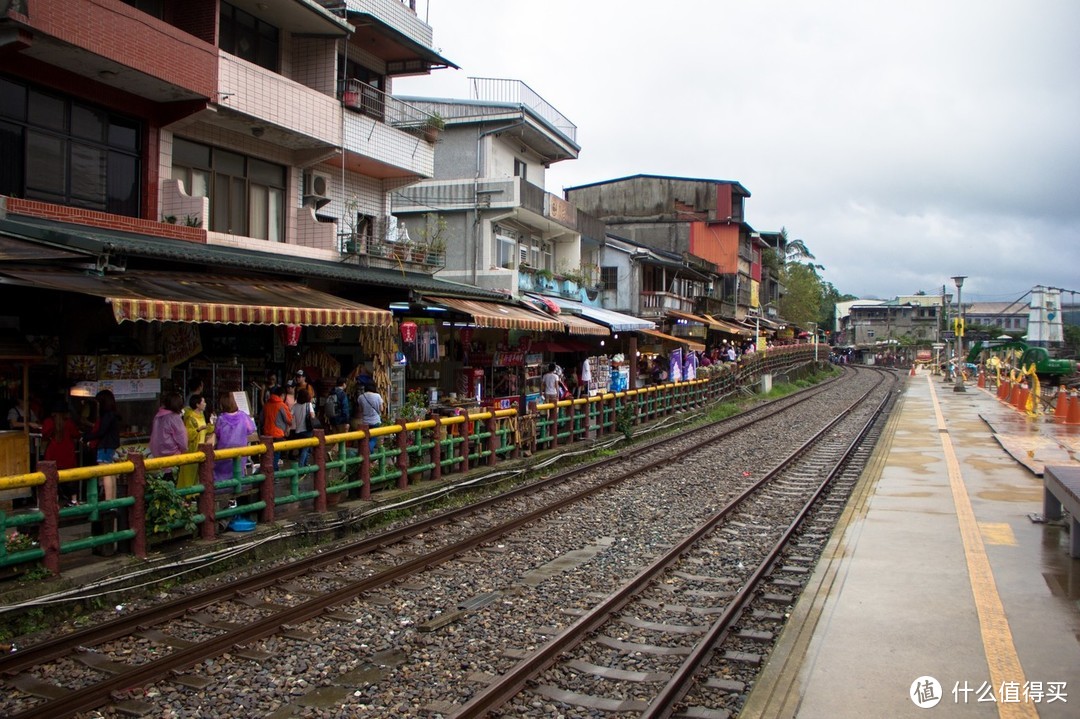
[1072, 339]
[801, 304]
[830, 296]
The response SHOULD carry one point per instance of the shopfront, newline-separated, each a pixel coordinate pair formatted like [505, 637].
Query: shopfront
[486, 354]
[140, 334]
[614, 365]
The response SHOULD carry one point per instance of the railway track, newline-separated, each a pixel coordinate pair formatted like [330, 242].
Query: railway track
[653, 630]
[248, 620]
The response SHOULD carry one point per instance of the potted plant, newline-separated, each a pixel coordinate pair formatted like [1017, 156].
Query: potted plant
[433, 126]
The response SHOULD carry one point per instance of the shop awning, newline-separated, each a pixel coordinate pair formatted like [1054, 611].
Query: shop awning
[732, 329]
[616, 321]
[707, 321]
[580, 326]
[682, 341]
[211, 299]
[493, 314]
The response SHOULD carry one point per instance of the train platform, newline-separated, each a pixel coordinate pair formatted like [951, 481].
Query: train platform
[943, 592]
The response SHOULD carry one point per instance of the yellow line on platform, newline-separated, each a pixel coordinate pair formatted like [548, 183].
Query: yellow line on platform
[1001, 657]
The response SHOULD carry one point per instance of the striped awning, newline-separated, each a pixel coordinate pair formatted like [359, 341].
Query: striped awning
[696, 346]
[210, 299]
[497, 315]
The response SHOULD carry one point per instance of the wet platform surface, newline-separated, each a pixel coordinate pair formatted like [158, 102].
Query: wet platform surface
[941, 571]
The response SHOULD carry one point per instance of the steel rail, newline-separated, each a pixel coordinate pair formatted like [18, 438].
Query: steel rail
[122, 626]
[94, 696]
[681, 681]
[508, 685]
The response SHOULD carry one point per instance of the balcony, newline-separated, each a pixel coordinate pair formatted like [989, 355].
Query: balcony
[392, 30]
[376, 104]
[252, 97]
[113, 44]
[383, 135]
[381, 243]
[490, 89]
[657, 304]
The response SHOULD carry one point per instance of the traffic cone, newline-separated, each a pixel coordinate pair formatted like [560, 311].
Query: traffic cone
[982, 379]
[912, 373]
[1022, 397]
[1061, 409]
[1073, 416]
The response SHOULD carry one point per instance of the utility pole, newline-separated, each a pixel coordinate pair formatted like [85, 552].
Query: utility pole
[959, 387]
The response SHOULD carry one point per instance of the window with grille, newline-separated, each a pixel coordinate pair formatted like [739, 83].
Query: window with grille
[609, 277]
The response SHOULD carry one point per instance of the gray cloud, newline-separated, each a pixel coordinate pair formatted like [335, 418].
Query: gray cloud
[903, 142]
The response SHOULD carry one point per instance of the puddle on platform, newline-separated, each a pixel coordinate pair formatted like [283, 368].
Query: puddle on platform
[1011, 494]
[917, 462]
[1063, 584]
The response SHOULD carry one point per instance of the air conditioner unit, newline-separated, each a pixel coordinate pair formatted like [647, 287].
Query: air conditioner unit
[316, 185]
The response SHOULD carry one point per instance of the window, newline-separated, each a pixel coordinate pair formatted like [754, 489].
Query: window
[505, 251]
[521, 169]
[609, 277]
[150, 7]
[246, 36]
[60, 150]
[247, 195]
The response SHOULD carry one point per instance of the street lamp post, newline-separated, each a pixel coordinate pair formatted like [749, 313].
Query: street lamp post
[959, 386]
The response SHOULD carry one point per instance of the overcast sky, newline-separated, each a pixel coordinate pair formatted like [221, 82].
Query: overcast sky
[903, 142]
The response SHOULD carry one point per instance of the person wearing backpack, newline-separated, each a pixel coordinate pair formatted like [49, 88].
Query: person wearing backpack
[338, 409]
[304, 423]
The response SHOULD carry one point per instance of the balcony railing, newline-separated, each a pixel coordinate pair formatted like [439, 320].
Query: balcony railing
[374, 103]
[656, 304]
[383, 240]
[503, 90]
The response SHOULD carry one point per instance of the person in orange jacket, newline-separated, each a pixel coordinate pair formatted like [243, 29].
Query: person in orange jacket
[277, 419]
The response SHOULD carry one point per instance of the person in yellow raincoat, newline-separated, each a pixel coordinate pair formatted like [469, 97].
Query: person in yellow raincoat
[198, 432]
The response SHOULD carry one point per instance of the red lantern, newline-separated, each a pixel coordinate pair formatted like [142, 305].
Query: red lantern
[408, 332]
[291, 334]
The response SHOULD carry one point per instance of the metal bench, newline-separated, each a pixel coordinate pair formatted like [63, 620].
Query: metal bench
[1062, 489]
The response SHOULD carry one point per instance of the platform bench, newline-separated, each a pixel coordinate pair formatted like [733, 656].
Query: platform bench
[1062, 489]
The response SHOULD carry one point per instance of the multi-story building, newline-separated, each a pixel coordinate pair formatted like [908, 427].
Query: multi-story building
[704, 218]
[904, 320]
[487, 202]
[234, 120]
[772, 288]
[1009, 317]
[249, 147]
